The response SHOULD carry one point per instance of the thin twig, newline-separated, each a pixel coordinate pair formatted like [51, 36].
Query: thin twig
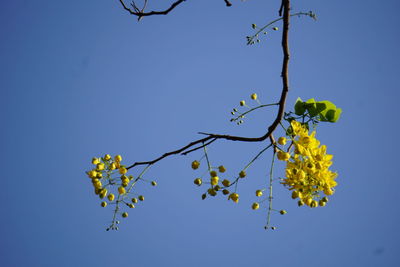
[194, 149]
[281, 9]
[270, 197]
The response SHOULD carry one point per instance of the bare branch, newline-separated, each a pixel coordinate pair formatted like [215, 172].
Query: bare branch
[199, 147]
[227, 3]
[140, 12]
[281, 9]
[279, 116]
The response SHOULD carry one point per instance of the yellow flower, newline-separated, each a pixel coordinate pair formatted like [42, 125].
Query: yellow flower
[195, 165]
[282, 155]
[123, 170]
[242, 103]
[234, 197]
[134, 200]
[314, 204]
[124, 179]
[214, 180]
[113, 166]
[95, 161]
[307, 173]
[226, 183]
[103, 204]
[153, 183]
[328, 191]
[111, 197]
[197, 181]
[282, 212]
[221, 169]
[92, 174]
[255, 206]
[259, 193]
[124, 215]
[213, 173]
[242, 174]
[100, 166]
[141, 198]
[212, 192]
[282, 141]
[103, 193]
[121, 190]
[97, 184]
[298, 128]
[118, 158]
[253, 96]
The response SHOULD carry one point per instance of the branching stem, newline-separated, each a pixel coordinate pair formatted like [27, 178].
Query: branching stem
[282, 101]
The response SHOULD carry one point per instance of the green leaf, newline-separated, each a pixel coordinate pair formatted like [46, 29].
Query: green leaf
[337, 115]
[299, 107]
[311, 107]
[331, 112]
[328, 104]
[321, 106]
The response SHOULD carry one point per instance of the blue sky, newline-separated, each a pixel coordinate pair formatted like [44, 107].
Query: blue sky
[81, 79]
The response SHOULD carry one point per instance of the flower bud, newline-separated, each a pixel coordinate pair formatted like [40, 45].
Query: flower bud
[195, 165]
[226, 183]
[282, 141]
[221, 169]
[197, 181]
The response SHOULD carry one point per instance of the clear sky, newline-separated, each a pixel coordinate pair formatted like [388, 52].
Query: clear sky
[79, 79]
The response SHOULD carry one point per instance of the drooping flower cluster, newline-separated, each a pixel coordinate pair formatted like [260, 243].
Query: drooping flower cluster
[307, 168]
[111, 182]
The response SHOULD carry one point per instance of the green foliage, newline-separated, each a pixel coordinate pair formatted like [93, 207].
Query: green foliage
[299, 107]
[321, 110]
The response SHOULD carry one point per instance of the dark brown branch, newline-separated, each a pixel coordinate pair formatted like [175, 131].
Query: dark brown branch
[281, 9]
[227, 3]
[178, 151]
[199, 147]
[141, 13]
[282, 102]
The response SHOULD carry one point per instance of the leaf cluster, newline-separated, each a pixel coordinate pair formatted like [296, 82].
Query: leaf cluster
[321, 110]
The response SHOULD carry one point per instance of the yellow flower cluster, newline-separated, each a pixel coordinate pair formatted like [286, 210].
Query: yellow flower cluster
[109, 175]
[215, 184]
[307, 168]
[101, 173]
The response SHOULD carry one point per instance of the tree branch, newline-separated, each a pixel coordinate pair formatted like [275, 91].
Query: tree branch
[141, 13]
[227, 3]
[279, 116]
